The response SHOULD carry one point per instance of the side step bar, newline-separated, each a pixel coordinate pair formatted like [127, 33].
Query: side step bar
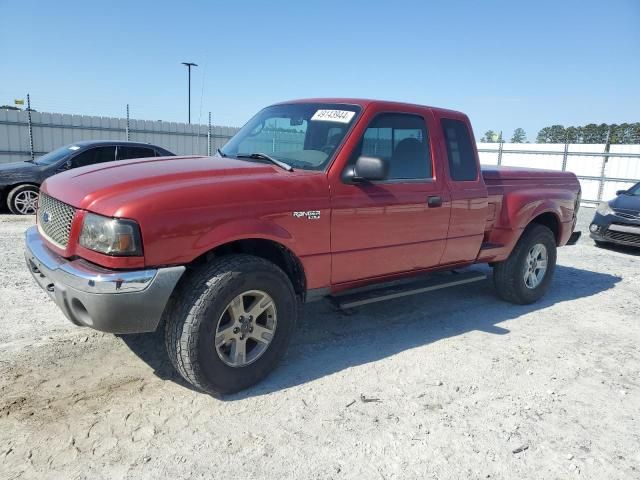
[433, 282]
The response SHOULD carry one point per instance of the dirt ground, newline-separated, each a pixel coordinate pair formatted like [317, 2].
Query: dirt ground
[455, 384]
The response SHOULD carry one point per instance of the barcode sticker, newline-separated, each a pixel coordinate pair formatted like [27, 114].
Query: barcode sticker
[340, 116]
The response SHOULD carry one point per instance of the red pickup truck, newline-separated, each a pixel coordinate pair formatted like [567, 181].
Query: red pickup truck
[310, 198]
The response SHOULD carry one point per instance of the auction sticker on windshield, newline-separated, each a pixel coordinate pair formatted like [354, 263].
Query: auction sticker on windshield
[341, 116]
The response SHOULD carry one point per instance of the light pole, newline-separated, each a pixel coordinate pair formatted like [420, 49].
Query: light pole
[189, 65]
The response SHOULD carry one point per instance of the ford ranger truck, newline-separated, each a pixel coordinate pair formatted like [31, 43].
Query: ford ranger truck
[310, 198]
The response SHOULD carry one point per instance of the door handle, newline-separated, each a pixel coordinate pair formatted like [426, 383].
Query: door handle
[434, 201]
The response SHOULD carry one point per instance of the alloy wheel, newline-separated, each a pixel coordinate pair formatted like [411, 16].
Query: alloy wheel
[535, 265]
[246, 328]
[26, 202]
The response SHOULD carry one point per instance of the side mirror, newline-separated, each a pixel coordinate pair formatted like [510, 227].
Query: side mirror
[620, 192]
[64, 166]
[370, 169]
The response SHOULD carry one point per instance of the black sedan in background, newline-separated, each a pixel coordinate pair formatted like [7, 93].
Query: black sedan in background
[20, 181]
[618, 220]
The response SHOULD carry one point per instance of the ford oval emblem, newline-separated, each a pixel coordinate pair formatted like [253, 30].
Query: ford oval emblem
[46, 217]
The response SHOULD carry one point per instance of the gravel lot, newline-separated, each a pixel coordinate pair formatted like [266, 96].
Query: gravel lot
[455, 384]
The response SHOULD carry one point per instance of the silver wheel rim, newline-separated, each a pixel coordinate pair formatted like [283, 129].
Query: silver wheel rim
[26, 202]
[245, 329]
[535, 265]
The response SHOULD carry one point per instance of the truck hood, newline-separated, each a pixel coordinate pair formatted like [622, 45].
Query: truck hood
[106, 188]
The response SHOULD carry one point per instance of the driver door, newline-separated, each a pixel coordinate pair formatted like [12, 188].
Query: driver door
[397, 225]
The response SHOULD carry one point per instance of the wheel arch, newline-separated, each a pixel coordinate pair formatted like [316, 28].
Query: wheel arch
[550, 220]
[10, 187]
[268, 249]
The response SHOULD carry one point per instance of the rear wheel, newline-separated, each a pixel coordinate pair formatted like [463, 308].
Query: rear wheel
[525, 276]
[229, 324]
[23, 200]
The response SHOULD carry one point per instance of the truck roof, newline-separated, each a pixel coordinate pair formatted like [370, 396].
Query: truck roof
[364, 102]
[112, 142]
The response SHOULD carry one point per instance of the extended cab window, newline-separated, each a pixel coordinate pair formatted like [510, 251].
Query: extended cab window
[401, 139]
[94, 155]
[462, 161]
[125, 153]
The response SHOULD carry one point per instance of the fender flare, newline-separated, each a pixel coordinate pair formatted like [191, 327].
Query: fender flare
[523, 206]
[243, 229]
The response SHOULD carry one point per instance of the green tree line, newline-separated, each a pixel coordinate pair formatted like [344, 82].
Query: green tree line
[519, 136]
[623, 133]
[628, 133]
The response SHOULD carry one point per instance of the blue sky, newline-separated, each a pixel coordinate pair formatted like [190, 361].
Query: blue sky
[507, 64]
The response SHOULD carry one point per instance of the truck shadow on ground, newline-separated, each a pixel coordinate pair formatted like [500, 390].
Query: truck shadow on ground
[328, 341]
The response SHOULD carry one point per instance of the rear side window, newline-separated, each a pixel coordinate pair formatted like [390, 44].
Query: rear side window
[94, 155]
[462, 161]
[125, 153]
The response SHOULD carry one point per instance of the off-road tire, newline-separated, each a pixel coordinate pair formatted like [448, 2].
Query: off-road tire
[198, 302]
[11, 197]
[508, 275]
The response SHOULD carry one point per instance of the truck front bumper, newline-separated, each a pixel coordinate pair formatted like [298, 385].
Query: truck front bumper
[107, 300]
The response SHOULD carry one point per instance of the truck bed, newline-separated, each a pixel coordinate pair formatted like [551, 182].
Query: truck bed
[546, 191]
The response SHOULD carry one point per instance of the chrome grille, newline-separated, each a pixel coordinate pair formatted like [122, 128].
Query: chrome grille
[54, 219]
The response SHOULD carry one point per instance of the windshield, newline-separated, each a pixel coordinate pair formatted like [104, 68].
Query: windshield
[303, 135]
[57, 155]
[635, 190]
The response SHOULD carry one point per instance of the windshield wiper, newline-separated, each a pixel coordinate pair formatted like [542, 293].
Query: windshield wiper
[221, 153]
[264, 156]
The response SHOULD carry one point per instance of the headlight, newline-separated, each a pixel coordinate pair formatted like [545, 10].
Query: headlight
[112, 236]
[604, 209]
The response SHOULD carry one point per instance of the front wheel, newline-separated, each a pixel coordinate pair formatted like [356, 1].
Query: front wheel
[23, 200]
[229, 323]
[525, 276]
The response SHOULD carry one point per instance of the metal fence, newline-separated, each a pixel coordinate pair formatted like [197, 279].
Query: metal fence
[27, 134]
[602, 169]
